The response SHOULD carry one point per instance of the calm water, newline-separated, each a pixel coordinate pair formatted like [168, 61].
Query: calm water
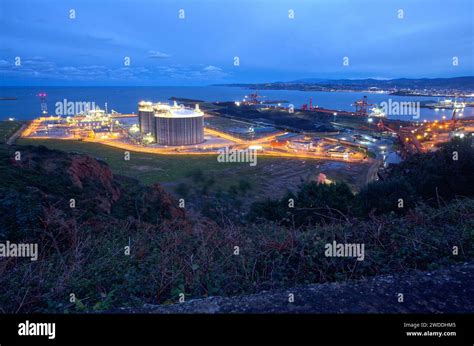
[125, 99]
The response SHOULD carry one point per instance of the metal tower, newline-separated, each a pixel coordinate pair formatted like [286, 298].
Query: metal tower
[44, 105]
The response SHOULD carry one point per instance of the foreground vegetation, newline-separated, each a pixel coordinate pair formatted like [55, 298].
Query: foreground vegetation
[8, 128]
[200, 262]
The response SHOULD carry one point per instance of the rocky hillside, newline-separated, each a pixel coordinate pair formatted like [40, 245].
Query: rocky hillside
[40, 187]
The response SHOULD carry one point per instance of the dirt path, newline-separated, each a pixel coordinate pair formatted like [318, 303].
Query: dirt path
[15, 136]
[373, 169]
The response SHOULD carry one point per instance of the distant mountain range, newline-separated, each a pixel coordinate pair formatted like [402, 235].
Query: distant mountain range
[454, 82]
[458, 83]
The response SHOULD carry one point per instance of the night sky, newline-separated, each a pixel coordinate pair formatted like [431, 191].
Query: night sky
[92, 48]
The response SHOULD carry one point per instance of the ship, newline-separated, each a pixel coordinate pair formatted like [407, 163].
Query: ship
[446, 104]
[377, 112]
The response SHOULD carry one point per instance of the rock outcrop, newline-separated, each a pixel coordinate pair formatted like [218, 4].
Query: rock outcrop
[50, 179]
[85, 167]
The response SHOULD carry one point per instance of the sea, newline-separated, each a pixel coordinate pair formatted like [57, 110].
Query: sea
[125, 99]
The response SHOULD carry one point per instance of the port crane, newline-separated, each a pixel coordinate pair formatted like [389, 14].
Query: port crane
[252, 99]
[454, 120]
[362, 106]
[311, 108]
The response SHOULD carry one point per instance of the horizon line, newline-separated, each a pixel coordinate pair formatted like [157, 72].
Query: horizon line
[229, 83]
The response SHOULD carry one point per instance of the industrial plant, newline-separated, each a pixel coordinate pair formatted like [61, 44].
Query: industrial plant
[170, 125]
[198, 128]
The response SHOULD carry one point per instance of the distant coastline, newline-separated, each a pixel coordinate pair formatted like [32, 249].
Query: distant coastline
[436, 87]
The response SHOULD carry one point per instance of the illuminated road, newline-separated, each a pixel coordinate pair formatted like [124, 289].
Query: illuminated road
[224, 135]
[268, 138]
[208, 148]
[176, 151]
[32, 127]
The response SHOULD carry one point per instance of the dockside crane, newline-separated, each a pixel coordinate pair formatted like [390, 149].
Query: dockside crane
[253, 98]
[311, 108]
[454, 120]
[362, 107]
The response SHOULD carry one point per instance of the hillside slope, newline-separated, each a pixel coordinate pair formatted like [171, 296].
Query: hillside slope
[172, 252]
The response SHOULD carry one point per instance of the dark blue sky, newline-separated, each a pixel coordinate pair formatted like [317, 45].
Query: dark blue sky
[200, 49]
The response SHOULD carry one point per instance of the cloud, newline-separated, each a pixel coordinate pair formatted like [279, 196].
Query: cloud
[212, 68]
[34, 66]
[40, 68]
[210, 72]
[153, 54]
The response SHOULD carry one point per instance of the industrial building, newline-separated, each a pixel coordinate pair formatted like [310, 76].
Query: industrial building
[339, 151]
[301, 144]
[171, 125]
